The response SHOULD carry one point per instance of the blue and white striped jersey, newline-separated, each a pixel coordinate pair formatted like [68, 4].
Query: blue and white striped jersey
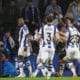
[73, 36]
[23, 36]
[48, 32]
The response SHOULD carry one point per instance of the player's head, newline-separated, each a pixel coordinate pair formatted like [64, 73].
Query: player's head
[69, 20]
[50, 18]
[20, 22]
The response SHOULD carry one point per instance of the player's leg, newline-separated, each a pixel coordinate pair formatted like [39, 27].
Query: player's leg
[28, 64]
[20, 62]
[61, 67]
[21, 66]
[70, 65]
[61, 62]
[70, 56]
[51, 69]
[77, 57]
[40, 61]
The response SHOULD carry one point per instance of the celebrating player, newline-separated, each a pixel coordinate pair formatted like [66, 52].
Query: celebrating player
[72, 46]
[47, 36]
[24, 48]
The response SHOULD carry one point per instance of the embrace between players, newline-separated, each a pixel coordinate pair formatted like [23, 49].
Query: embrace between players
[49, 36]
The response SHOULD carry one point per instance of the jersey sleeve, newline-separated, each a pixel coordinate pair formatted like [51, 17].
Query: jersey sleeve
[40, 31]
[78, 33]
[25, 30]
[57, 30]
[67, 35]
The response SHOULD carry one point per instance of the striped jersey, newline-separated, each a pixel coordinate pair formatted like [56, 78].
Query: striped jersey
[23, 36]
[48, 33]
[73, 36]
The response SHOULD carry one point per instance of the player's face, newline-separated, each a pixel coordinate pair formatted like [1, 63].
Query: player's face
[36, 31]
[63, 29]
[20, 22]
[68, 22]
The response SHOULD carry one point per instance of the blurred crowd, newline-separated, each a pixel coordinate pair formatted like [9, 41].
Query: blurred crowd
[34, 13]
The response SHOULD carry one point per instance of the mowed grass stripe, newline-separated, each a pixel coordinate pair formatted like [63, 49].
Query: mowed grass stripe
[41, 78]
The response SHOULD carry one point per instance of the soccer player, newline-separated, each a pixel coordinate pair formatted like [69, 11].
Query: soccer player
[24, 48]
[47, 36]
[72, 46]
[60, 47]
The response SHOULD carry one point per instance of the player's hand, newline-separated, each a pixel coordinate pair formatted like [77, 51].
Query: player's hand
[25, 48]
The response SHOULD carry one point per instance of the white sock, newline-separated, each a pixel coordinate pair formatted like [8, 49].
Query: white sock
[29, 67]
[16, 63]
[70, 65]
[35, 73]
[61, 69]
[51, 70]
[39, 67]
[49, 74]
[44, 71]
[21, 68]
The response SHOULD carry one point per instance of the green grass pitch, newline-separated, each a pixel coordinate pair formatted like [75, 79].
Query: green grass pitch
[41, 78]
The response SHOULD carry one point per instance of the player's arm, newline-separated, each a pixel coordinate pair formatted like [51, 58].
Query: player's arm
[39, 38]
[26, 33]
[63, 37]
[57, 37]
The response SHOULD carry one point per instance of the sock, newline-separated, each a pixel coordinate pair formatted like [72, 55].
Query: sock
[16, 63]
[21, 68]
[77, 63]
[28, 63]
[38, 69]
[71, 66]
[44, 71]
[61, 68]
[42, 68]
[51, 70]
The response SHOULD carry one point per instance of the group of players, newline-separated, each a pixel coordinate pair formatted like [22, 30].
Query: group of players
[49, 36]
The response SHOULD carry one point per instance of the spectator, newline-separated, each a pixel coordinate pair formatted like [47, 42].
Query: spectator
[55, 10]
[31, 16]
[52, 8]
[21, 5]
[8, 43]
[74, 10]
[11, 14]
[64, 5]
[42, 7]
[9, 70]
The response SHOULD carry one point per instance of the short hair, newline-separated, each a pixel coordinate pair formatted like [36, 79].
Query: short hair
[21, 20]
[69, 18]
[50, 17]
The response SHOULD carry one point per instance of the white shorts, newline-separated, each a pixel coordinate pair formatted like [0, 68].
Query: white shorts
[72, 53]
[24, 53]
[45, 54]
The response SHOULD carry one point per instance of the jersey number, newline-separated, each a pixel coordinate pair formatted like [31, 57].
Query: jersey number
[48, 37]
